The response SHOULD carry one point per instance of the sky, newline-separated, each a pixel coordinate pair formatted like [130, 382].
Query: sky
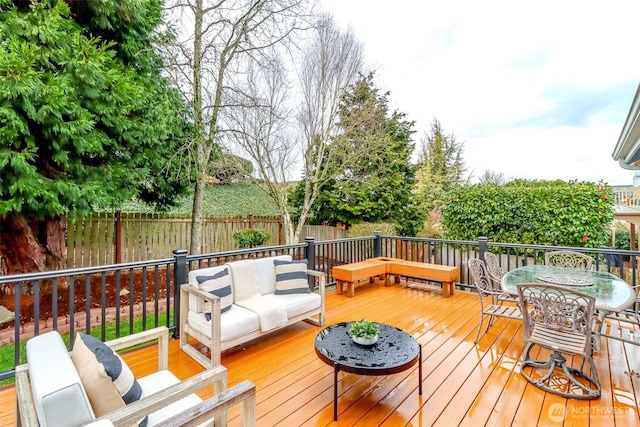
[534, 90]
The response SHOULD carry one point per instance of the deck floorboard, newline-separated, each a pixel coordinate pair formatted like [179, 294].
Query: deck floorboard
[464, 383]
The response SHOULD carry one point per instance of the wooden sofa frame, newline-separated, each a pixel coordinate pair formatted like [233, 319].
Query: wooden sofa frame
[213, 342]
[243, 393]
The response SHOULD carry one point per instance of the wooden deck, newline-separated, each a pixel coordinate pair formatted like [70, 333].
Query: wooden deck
[464, 383]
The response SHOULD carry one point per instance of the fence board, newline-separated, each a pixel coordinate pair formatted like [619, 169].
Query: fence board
[322, 232]
[91, 241]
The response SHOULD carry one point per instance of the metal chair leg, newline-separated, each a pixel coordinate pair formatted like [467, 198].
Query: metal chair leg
[575, 389]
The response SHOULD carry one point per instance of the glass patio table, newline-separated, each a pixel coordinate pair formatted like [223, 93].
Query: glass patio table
[611, 292]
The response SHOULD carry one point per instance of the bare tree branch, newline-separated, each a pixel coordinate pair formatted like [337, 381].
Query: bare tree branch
[213, 42]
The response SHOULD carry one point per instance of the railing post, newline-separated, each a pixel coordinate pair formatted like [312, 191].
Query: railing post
[377, 244]
[311, 259]
[482, 246]
[179, 278]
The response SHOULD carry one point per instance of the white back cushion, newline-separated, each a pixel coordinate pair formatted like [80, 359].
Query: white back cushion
[59, 396]
[244, 278]
[267, 273]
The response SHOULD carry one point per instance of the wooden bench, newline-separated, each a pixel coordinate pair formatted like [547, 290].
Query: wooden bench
[351, 273]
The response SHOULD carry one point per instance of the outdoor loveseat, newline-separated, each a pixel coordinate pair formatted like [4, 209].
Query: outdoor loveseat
[228, 305]
[61, 388]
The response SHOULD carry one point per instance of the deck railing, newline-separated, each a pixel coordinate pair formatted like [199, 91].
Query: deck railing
[103, 299]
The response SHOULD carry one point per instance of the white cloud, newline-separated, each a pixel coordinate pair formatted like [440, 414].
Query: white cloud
[534, 90]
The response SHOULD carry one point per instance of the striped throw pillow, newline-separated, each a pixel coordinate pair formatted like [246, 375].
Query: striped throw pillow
[291, 277]
[107, 379]
[219, 285]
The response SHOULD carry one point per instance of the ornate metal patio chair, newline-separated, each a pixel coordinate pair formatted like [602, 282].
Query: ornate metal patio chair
[485, 287]
[568, 259]
[496, 272]
[560, 321]
[622, 326]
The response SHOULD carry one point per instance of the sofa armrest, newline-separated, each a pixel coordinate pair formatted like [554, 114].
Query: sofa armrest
[199, 293]
[161, 334]
[243, 394]
[25, 408]
[322, 280]
[212, 341]
[322, 285]
[147, 405]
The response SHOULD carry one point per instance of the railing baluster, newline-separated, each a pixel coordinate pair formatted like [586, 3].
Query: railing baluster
[156, 289]
[87, 303]
[323, 255]
[54, 303]
[72, 311]
[103, 305]
[17, 323]
[144, 298]
[118, 333]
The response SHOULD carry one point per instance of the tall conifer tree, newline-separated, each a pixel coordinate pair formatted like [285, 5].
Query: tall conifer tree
[85, 119]
[374, 180]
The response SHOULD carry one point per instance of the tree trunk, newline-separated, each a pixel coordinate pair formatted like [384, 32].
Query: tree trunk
[31, 247]
[19, 248]
[196, 218]
[289, 230]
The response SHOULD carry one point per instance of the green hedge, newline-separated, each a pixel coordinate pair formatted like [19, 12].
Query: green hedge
[224, 201]
[555, 213]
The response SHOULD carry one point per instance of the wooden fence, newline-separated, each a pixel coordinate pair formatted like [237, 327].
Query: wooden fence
[109, 238]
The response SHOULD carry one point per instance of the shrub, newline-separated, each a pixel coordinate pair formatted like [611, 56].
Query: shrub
[623, 240]
[251, 237]
[367, 228]
[431, 230]
[555, 213]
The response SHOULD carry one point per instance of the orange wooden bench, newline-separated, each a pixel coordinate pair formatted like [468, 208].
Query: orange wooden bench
[351, 273]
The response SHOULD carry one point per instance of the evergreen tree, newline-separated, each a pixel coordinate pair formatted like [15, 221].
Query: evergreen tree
[440, 167]
[373, 179]
[86, 119]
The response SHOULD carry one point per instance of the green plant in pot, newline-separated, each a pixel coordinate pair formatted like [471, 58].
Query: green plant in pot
[364, 332]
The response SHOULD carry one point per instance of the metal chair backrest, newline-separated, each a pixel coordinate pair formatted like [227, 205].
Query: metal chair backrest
[568, 259]
[560, 309]
[493, 267]
[480, 275]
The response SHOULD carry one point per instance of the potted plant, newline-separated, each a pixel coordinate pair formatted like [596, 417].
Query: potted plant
[364, 332]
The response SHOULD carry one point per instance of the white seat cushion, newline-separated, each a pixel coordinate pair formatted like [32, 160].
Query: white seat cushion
[236, 322]
[297, 304]
[100, 423]
[159, 381]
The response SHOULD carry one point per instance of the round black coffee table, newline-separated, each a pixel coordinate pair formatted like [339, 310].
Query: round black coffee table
[394, 352]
